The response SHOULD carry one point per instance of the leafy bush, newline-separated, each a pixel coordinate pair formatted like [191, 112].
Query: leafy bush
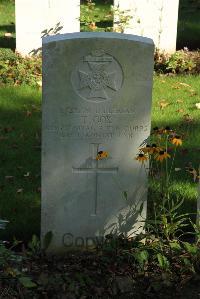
[14, 69]
[18, 70]
[180, 62]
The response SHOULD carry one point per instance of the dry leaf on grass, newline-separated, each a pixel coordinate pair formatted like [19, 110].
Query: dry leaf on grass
[179, 101]
[197, 105]
[163, 104]
[20, 190]
[26, 175]
[184, 84]
[8, 34]
[39, 83]
[180, 110]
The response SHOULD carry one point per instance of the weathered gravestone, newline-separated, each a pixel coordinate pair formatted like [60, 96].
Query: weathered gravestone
[35, 18]
[156, 19]
[96, 97]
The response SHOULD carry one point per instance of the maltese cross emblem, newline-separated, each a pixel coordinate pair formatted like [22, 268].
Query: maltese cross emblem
[98, 77]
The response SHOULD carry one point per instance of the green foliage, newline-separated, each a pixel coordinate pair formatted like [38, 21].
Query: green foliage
[16, 70]
[163, 261]
[141, 256]
[34, 245]
[178, 63]
[181, 62]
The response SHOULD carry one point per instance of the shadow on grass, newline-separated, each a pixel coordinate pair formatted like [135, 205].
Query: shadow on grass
[188, 25]
[181, 184]
[8, 28]
[8, 42]
[20, 159]
[20, 125]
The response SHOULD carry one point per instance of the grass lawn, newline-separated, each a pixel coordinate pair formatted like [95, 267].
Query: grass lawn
[189, 25]
[20, 126]
[7, 24]
[20, 130]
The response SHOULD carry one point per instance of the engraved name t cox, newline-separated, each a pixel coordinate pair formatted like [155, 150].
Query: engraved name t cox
[95, 170]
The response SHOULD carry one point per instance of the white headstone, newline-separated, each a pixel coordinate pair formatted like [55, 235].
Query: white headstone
[34, 18]
[156, 19]
[96, 97]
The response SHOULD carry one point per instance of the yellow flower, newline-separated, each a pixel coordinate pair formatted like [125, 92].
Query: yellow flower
[146, 149]
[101, 155]
[141, 158]
[162, 155]
[150, 149]
[176, 140]
[155, 149]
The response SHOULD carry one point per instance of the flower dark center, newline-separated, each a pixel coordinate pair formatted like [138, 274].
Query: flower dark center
[100, 153]
[161, 152]
[177, 137]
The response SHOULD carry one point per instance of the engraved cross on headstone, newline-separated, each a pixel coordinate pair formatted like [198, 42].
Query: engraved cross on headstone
[96, 170]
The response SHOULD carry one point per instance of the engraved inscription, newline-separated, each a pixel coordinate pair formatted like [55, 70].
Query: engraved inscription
[97, 77]
[95, 170]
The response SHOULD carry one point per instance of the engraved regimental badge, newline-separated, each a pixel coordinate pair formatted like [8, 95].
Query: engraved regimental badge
[98, 77]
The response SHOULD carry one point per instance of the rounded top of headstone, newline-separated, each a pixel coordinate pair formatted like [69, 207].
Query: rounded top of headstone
[109, 35]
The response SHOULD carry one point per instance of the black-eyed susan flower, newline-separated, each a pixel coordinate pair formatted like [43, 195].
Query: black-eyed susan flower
[101, 155]
[141, 157]
[176, 140]
[150, 149]
[155, 148]
[145, 149]
[162, 155]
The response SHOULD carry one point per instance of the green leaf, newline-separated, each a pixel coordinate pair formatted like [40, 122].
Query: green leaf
[190, 248]
[27, 282]
[142, 257]
[163, 261]
[175, 246]
[125, 194]
[47, 239]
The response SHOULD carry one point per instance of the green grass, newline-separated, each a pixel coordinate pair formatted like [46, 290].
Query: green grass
[20, 126]
[20, 123]
[181, 100]
[189, 24]
[7, 24]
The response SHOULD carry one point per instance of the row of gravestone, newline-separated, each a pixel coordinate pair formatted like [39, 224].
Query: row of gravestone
[156, 19]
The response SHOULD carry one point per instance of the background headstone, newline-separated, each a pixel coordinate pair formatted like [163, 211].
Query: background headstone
[156, 19]
[34, 18]
[96, 97]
